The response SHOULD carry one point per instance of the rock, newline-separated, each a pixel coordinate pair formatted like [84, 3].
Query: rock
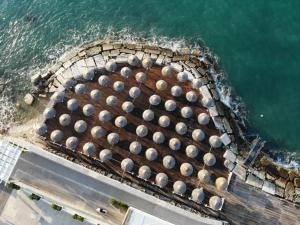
[269, 187]
[281, 182]
[28, 99]
[297, 182]
[254, 181]
[292, 175]
[283, 172]
[270, 177]
[279, 191]
[297, 191]
[297, 199]
[289, 191]
[35, 78]
[272, 170]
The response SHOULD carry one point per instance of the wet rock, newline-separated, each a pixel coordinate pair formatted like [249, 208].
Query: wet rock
[289, 191]
[272, 171]
[270, 177]
[28, 99]
[292, 175]
[283, 172]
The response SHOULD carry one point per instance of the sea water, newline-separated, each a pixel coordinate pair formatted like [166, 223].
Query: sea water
[257, 44]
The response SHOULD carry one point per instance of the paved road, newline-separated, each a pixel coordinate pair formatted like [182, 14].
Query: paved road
[68, 180]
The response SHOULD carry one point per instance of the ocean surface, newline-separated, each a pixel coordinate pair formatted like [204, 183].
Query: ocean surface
[257, 44]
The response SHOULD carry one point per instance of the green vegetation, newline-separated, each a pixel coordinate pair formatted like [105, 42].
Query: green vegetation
[56, 207]
[77, 217]
[119, 204]
[13, 185]
[34, 197]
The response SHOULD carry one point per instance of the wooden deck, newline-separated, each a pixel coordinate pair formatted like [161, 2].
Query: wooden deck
[127, 134]
[247, 205]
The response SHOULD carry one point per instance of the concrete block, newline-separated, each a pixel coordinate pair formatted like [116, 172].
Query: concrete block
[177, 67]
[93, 51]
[229, 165]
[159, 60]
[100, 63]
[201, 70]
[90, 63]
[254, 181]
[225, 139]
[227, 125]
[218, 123]
[28, 99]
[240, 172]
[107, 47]
[140, 55]
[269, 187]
[213, 111]
[229, 155]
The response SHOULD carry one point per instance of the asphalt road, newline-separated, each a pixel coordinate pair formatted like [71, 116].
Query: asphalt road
[90, 192]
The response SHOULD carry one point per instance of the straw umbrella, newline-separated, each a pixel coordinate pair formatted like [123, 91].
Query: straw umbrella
[161, 180]
[80, 89]
[104, 116]
[176, 91]
[198, 195]
[191, 151]
[191, 96]
[72, 104]
[80, 126]
[141, 77]
[203, 119]
[127, 165]
[49, 113]
[133, 60]
[112, 101]
[169, 162]
[164, 121]
[148, 115]
[113, 138]
[147, 63]
[96, 95]
[88, 110]
[209, 159]
[97, 132]
[151, 154]
[204, 176]
[145, 172]
[56, 136]
[186, 169]
[72, 143]
[167, 71]
[154, 100]
[181, 128]
[89, 148]
[126, 72]
[111, 66]
[118, 86]
[41, 129]
[186, 112]
[215, 141]
[215, 202]
[141, 131]
[103, 80]
[161, 85]
[127, 106]
[105, 155]
[135, 147]
[121, 121]
[182, 76]
[221, 183]
[134, 92]
[158, 137]
[179, 187]
[198, 135]
[65, 120]
[170, 105]
[174, 144]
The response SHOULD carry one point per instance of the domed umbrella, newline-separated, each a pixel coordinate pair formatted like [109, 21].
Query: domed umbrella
[161, 85]
[127, 106]
[164, 121]
[198, 195]
[196, 83]
[89, 75]
[65, 120]
[103, 80]
[154, 100]
[72, 143]
[96, 95]
[105, 155]
[148, 115]
[186, 112]
[186, 169]
[112, 101]
[111, 66]
[174, 144]
[204, 176]
[118, 86]
[127, 165]
[161, 180]
[169, 162]
[89, 148]
[56, 136]
[215, 141]
[158, 137]
[221, 183]
[58, 97]
[167, 71]
[179, 187]
[104, 116]
[151, 154]
[141, 77]
[80, 126]
[145, 172]
[198, 135]
[49, 113]
[182, 76]
[147, 63]
[134, 92]
[141, 131]
[72, 104]
[126, 72]
[191, 151]
[181, 128]
[121, 121]
[215, 202]
[135, 147]
[203, 119]
[209, 159]
[170, 105]
[113, 138]
[41, 129]
[133, 60]
[97, 132]
[176, 91]
[191, 96]
[80, 89]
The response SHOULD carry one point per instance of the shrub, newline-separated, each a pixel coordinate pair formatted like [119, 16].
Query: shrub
[56, 207]
[34, 197]
[119, 204]
[13, 186]
[77, 217]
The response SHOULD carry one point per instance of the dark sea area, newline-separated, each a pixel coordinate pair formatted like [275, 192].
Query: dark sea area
[257, 44]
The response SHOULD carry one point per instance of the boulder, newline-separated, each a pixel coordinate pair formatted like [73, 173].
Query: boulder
[283, 172]
[281, 182]
[279, 191]
[29, 99]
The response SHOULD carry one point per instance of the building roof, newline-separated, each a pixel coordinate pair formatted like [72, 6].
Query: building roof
[138, 217]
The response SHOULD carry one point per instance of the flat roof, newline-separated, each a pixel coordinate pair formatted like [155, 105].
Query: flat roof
[138, 217]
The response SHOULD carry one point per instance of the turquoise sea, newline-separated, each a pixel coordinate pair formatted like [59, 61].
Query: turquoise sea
[257, 43]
